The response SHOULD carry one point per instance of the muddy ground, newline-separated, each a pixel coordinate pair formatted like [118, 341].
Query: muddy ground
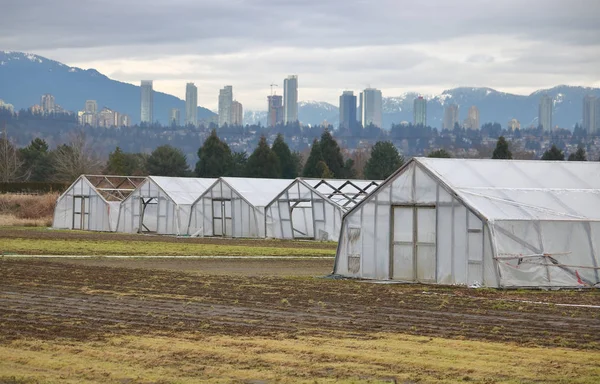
[105, 236]
[85, 300]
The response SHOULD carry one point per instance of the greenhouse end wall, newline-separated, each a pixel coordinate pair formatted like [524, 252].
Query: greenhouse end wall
[221, 211]
[412, 229]
[82, 207]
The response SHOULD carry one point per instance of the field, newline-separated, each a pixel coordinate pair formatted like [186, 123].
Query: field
[263, 320]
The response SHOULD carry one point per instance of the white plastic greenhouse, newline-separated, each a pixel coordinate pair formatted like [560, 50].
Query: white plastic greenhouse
[313, 208]
[161, 205]
[234, 207]
[493, 223]
[92, 202]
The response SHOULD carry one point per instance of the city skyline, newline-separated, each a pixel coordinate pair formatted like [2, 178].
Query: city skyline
[502, 45]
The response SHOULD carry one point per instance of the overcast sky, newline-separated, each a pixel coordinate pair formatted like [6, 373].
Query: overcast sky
[332, 45]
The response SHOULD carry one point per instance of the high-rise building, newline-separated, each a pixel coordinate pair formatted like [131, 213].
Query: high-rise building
[420, 111]
[147, 110]
[450, 116]
[237, 113]
[589, 113]
[4, 105]
[106, 118]
[545, 113]
[290, 99]
[347, 110]
[597, 114]
[472, 120]
[371, 107]
[91, 106]
[175, 117]
[225, 105]
[47, 103]
[191, 104]
[125, 120]
[275, 110]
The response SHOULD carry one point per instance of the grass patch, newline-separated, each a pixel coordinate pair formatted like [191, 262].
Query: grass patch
[336, 358]
[141, 248]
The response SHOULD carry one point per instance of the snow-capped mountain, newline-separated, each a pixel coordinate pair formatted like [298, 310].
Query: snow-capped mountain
[24, 77]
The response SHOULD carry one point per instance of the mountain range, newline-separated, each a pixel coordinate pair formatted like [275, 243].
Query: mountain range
[24, 77]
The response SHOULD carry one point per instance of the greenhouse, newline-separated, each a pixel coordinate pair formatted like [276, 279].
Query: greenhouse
[161, 205]
[92, 202]
[313, 208]
[491, 223]
[234, 207]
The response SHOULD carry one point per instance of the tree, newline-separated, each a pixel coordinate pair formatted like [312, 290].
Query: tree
[167, 161]
[332, 155]
[384, 161]
[579, 155]
[10, 163]
[315, 156]
[240, 160]
[75, 159]
[323, 170]
[215, 158]
[126, 164]
[263, 162]
[37, 164]
[502, 151]
[288, 164]
[553, 154]
[440, 154]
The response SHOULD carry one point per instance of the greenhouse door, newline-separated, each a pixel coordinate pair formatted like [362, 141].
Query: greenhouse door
[302, 220]
[149, 216]
[81, 211]
[414, 244]
[222, 218]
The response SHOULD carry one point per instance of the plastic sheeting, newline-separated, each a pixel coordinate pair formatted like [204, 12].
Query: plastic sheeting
[313, 208]
[83, 207]
[488, 223]
[234, 207]
[161, 205]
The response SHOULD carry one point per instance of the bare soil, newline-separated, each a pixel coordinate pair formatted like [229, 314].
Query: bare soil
[82, 301]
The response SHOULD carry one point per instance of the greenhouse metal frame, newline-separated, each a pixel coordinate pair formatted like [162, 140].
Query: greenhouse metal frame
[92, 202]
[491, 223]
[234, 207]
[161, 205]
[313, 208]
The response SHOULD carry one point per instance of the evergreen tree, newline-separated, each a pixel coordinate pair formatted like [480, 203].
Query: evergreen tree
[126, 164]
[288, 164]
[240, 160]
[263, 162]
[315, 156]
[37, 163]
[332, 155]
[440, 154]
[553, 154]
[323, 170]
[215, 158]
[502, 151]
[349, 169]
[167, 161]
[384, 161]
[579, 155]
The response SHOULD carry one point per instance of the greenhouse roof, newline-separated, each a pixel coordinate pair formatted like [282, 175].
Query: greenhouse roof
[523, 189]
[258, 192]
[183, 190]
[345, 193]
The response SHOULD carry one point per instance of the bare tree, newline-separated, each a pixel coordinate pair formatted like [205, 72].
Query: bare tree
[10, 162]
[75, 159]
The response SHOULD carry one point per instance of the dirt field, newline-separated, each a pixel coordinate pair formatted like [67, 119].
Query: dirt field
[45, 299]
[267, 320]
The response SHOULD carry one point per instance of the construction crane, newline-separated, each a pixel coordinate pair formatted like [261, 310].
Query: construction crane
[273, 85]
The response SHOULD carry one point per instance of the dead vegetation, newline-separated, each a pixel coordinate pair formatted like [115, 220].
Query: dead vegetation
[27, 210]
